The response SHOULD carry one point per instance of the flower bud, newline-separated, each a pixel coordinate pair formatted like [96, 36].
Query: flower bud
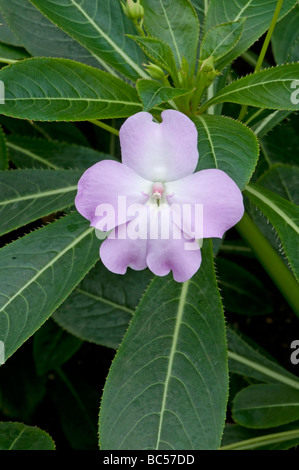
[155, 71]
[134, 11]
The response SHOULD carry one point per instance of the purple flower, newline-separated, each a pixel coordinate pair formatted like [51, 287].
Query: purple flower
[156, 208]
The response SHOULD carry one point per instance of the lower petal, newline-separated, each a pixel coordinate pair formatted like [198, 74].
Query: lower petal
[125, 246]
[180, 256]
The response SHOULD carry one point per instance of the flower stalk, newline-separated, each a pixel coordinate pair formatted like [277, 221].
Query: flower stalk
[271, 262]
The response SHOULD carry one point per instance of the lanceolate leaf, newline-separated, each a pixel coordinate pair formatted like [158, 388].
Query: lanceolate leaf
[258, 18]
[18, 436]
[283, 180]
[285, 37]
[52, 347]
[3, 151]
[282, 145]
[266, 406]
[27, 195]
[219, 40]
[176, 23]
[153, 93]
[38, 271]
[60, 89]
[284, 216]
[200, 7]
[101, 307]
[271, 88]
[41, 37]
[241, 291]
[228, 145]
[167, 387]
[236, 437]
[248, 361]
[100, 26]
[159, 52]
[27, 152]
[6, 34]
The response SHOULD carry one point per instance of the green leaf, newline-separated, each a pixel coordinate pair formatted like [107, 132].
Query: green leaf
[228, 145]
[3, 151]
[159, 52]
[258, 14]
[101, 28]
[284, 216]
[18, 436]
[27, 195]
[63, 90]
[56, 131]
[285, 38]
[282, 146]
[200, 7]
[27, 152]
[248, 361]
[38, 272]
[271, 119]
[220, 39]
[266, 406]
[241, 291]
[237, 437]
[77, 403]
[52, 347]
[153, 93]
[174, 22]
[6, 34]
[167, 387]
[283, 180]
[41, 37]
[9, 54]
[101, 307]
[270, 88]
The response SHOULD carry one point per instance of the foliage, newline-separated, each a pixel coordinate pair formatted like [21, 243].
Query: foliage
[88, 66]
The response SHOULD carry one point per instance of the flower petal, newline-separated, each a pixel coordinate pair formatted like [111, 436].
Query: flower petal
[169, 250]
[181, 256]
[159, 152]
[220, 196]
[120, 250]
[106, 190]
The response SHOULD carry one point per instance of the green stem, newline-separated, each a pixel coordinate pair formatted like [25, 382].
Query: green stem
[104, 126]
[264, 49]
[265, 440]
[269, 259]
[7, 61]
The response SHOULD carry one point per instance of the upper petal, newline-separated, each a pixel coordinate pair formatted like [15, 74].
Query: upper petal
[220, 197]
[106, 190]
[159, 152]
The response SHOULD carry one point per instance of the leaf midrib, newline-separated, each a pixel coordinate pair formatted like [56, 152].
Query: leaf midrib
[110, 41]
[274, 207]
[32, 155]
[263, 369]
[39, 195]
[237, 90]
[47, 266]
[179, 317]
[171, 33]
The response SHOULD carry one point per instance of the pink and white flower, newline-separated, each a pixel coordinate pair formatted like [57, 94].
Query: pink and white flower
[156, 178]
